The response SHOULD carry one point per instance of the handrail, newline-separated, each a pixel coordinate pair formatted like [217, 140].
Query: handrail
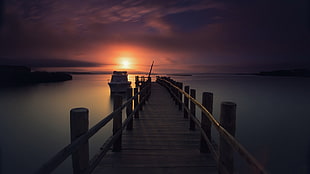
[230, 139]
[105, 148]
[64, 153]
[197, 122]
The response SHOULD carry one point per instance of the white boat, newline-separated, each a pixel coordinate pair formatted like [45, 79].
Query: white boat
[119, 82]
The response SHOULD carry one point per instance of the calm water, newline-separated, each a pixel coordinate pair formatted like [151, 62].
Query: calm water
[272, 118]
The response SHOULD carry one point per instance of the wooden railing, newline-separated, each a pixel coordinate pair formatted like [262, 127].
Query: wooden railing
[222, 153]
[79, 148]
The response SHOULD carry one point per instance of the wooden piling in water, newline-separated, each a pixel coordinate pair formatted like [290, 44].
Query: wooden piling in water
[192, 110]
[186, 102]
[228, 122]
[129, 109]
[79, 126]
[207, 102]
[117, 123]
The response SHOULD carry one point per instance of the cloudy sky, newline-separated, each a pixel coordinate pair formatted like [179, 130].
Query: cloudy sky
[179, 35]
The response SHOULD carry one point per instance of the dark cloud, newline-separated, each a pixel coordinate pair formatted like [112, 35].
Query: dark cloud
[56, 62]
[189, 21]
[189, 31]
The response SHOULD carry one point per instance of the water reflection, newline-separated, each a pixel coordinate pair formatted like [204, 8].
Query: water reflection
[34, 124]
[272, 118]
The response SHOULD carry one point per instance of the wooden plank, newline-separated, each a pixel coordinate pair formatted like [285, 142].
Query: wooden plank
[160, 142]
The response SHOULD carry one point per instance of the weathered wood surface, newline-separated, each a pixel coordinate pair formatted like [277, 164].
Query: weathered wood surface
[160, 142]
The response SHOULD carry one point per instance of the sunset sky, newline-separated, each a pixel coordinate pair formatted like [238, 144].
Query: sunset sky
[181, 36]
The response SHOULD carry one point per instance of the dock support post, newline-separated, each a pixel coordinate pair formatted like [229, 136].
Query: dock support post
[137, 81]
[192, 110]
[207, 102]
[227, 121]
[78, 127]
[117, 123]
[136, 103]
[180, 85]
[186, 102]
[129, 109]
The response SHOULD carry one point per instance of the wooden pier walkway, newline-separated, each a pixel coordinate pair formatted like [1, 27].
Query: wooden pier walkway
[160, 142]
[161, 134]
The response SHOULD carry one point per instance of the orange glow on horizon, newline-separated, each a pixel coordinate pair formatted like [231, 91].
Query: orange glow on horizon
[133, 58]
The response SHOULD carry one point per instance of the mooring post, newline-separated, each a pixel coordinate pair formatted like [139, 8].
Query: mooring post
[129, 109]
[117, 123]
[180, 85]
[192, 110]
[207, 102]
[137, 81]
[136, 102]
[228, 122]
[186, 102]
[78, 127]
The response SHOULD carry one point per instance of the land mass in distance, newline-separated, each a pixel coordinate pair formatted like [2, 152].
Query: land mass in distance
[18, 75]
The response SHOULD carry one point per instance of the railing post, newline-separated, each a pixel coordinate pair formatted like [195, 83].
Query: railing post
[186, 102]
[228, 122]
[129, 109]
[117, 123]
[137, 81]
[207, 102]
[79, 126]
[142, 94]
[180, 85]
[136, 103]
[192, 110]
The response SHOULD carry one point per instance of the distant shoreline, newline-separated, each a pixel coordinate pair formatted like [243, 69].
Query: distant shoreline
[181, 74]
[22, 75]
[286, 73]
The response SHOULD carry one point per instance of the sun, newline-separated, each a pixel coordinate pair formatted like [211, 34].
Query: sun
[125, 64]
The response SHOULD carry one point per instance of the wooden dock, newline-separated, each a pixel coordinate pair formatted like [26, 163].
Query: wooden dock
[161, 134]
[160, 142]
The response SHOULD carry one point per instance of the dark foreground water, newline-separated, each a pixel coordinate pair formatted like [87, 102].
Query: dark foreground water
[273, 118]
